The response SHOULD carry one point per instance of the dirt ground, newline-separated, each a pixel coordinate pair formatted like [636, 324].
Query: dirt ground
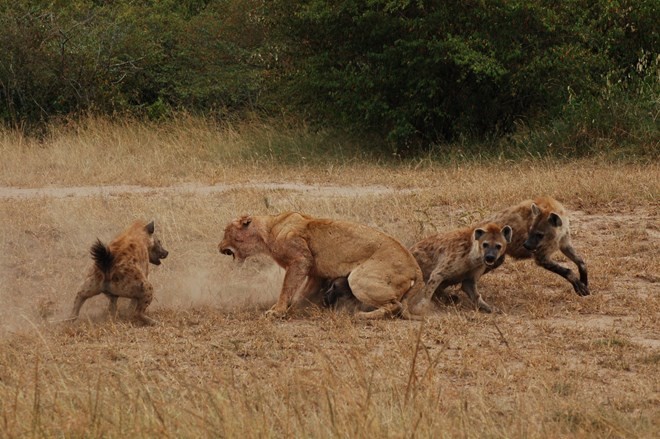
[548, 364]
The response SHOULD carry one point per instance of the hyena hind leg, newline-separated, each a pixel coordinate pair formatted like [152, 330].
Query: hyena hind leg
[88, 289]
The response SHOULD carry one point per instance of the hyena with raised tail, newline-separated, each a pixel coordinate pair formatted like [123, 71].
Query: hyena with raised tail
[460, 257]
[541, 228]
[121, 269]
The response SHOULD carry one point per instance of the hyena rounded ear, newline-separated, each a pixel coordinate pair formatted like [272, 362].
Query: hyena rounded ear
[535, 210]
[555, 220]
[150, 228]
[507, 232]
[478, 233]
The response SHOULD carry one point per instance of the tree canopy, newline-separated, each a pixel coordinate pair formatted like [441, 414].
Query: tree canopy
[413, 72]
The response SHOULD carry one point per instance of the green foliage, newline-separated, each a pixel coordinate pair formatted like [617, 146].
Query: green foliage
[59, 58]
[620, 120]
[413, 74]
[421, 72]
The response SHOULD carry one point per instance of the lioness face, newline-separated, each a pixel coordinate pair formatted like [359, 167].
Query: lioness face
[156, 249]
[492, 242]
[543, 230]
[241, 239]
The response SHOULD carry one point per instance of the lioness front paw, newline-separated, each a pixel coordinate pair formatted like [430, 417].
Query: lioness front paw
[275, 313]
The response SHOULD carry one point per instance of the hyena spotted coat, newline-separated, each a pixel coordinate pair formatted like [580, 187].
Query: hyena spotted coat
[121, 269]
[540, 228]
[460, 257]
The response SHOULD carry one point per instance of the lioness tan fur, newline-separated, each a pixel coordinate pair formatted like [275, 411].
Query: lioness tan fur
[381, 272]
[121, 270]
[540, 228]
[460, 257]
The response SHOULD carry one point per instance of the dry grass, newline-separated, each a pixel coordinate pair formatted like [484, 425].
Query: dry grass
[551, 365]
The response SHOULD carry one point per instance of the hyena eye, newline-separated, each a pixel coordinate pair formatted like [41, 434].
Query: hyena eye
[484, 245]
[498, 246]
[538, 235]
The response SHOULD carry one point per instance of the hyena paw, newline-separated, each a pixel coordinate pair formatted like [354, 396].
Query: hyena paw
[146, 320]
[581, 289]
[484, 307]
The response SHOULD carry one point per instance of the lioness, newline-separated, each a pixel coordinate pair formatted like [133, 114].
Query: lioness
[460, 257]
[381, 272]
[121, 269]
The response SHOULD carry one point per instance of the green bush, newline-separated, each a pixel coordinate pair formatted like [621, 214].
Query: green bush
[411, 74]
[68, 57]
[421, 72]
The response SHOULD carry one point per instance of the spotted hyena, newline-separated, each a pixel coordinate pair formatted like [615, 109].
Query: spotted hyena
[333, 290]
[460, 257]
[540, 228]
[121, 269]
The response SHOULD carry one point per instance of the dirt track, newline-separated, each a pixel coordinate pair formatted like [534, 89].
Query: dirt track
[90, 191]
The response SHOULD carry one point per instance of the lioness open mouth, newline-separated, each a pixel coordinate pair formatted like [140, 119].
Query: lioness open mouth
[228, 252]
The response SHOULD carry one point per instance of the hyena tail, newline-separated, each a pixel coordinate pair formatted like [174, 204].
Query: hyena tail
[102, 256]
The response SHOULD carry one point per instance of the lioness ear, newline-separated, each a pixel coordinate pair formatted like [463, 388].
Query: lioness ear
[150, 228]
[246, 220]
[478, 233]
[507, 232]
[555, 220]
[535, 210]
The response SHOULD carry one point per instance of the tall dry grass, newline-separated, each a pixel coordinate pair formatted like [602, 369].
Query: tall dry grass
[550, 365]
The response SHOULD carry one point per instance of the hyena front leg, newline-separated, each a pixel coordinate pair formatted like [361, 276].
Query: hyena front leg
[547, 263]
[568, 250]
[141, 294]
[470, 288]
[112, 307]
[143, 302]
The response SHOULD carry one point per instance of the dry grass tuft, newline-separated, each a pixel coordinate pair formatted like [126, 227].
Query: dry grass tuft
[551, 364]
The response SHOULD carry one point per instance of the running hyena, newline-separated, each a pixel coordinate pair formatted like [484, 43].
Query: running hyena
[461, 257]
[540, 228]
[121, 269]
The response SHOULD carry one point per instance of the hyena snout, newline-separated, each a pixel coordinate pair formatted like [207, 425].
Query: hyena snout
[157, 253]
[491, 256]
[533, 241]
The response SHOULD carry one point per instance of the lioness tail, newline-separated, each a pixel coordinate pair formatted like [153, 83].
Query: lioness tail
[102, 256]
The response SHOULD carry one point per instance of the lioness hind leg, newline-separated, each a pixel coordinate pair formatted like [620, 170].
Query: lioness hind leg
[392, 309]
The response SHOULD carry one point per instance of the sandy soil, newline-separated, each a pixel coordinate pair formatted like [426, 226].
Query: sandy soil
[547, 354]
